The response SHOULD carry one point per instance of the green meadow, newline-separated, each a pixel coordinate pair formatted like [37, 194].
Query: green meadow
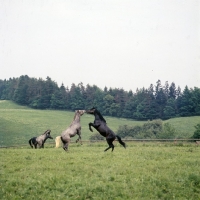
[20, 123]
[141, 171]
[144, 170]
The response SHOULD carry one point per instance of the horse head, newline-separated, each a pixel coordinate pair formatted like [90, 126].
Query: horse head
[91, 111]
[95, 112]
[81, 112]
[47, 133]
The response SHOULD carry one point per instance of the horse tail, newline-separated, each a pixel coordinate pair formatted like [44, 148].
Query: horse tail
[30, 142]
[120, 141]
[58, 140]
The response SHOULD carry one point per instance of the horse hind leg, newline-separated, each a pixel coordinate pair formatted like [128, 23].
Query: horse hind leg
[113, 147]
[77, 140]
[65, 146]
[30, 142]
[110, 145]
[35, 145]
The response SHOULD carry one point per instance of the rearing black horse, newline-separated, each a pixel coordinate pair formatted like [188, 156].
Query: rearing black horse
[101, 126]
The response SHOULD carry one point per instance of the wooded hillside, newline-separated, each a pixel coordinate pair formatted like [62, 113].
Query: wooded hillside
[158, 101]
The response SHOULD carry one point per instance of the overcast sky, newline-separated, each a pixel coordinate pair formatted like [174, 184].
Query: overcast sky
[114, 43]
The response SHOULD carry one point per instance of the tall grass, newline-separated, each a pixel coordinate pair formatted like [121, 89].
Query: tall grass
[142, 171]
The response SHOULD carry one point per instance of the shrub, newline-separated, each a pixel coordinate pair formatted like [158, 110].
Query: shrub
[197, 132]
[148, 130]
[96, 136]
[168, 132]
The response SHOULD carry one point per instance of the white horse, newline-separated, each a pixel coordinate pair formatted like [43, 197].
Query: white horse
[71, 131]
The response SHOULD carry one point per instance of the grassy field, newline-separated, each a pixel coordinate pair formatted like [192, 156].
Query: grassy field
[142, 171]
[19, 123]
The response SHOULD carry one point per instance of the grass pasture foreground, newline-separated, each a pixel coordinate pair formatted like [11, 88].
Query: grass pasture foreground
[141, 171]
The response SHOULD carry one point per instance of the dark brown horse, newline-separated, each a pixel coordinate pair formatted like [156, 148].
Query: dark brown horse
[101, 126]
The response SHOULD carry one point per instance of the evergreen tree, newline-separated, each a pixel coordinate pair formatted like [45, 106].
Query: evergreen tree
[98, 98]
[152, 111]
[160, 98]
[57, 101]
[108, 100]
[186, 104]
[169, 110]
[172, 91]
[20, 95]
[196, 100]
[166, 90]
[140, 105]
[76, 99]
[129, 108]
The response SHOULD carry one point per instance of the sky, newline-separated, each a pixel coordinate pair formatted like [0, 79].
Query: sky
[125, 44]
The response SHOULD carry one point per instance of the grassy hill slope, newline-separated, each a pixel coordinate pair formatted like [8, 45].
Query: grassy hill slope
[19, 123]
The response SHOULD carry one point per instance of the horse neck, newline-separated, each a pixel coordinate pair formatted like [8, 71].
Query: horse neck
[46, 136]
[76, 119]
[41, 137]
[98, 118]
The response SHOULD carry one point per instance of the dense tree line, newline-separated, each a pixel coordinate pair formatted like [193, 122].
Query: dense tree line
[156, 102]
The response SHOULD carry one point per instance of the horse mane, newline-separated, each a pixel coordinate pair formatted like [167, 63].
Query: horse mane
[75, 115]
[74, 118]
[100, 116]
[46, 132]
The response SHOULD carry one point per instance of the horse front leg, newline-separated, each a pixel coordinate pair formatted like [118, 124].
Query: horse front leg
[96, 126]
[91, 124]
[79, 137]
[40, 145]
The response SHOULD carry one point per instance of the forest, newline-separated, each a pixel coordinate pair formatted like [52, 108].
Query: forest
[156, 102]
